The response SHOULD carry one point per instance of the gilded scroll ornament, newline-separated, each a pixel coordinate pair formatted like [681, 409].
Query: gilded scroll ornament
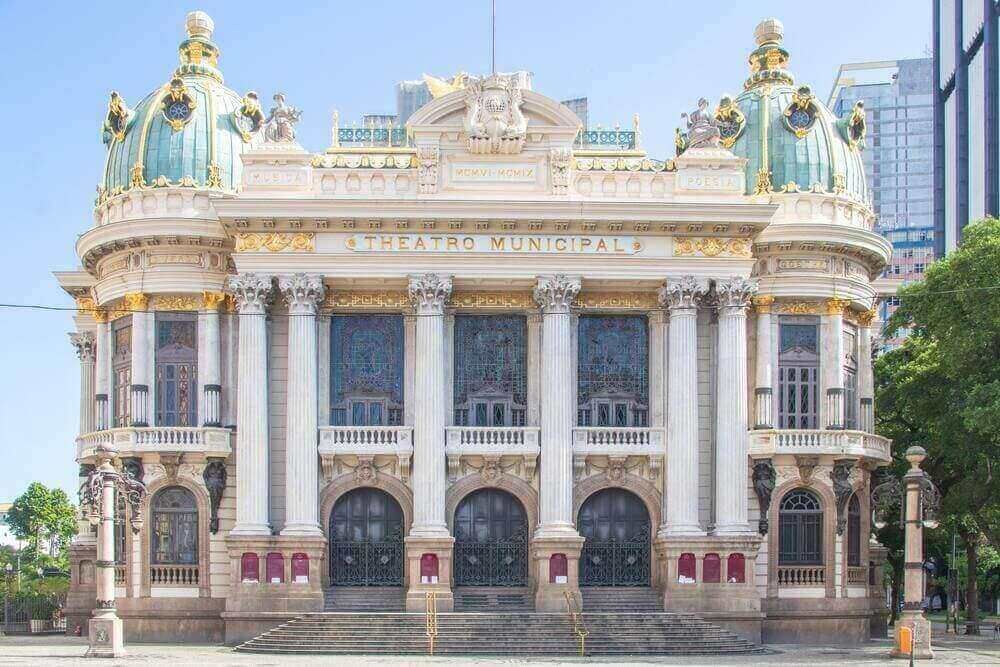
[836, 306]
[731, 121]
[799, 307]
[712, 247]
[176, 303]
[866, 317]
[212, 300]
[763, 303]
[276, 242]
[135, 301]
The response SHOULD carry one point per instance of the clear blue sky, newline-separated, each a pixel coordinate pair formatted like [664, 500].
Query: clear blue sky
[651, 57]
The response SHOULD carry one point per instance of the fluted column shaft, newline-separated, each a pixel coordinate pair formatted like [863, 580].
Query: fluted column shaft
[731, 421]
[210, 360]
[682, 298]
[555, 294]
[137, 304]
[251, 292]
[764, 384]
[303, 293]
[102, 350]
[429, 293]
[85, 344]
[832, 362]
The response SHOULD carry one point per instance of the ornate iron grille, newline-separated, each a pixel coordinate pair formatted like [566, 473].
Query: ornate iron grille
[490, 370]
[493, 563]
[612, 370]
[366, 563]
[616, 563]
[366, 370]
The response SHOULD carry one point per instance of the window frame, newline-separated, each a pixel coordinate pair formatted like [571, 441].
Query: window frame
[803, 371]
[807, 546]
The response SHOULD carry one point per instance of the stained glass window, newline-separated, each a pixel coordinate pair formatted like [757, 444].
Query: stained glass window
[798, 375]
[612, 370]
[121, 370]
[176, 369]
[366, 370]
[850, 378]
[175, 527]
[490, 370]
[854, 532]
[800, 529]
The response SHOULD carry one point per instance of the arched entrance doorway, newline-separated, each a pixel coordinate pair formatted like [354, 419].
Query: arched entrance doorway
[616, 552]
[366, 540]
[491, 540]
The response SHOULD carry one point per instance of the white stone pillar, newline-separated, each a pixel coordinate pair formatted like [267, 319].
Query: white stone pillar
[428, 293]
[682, 298]
[303, 293]
[555, 294]
[85, 344]
[832, 362]
[251, 292]
[534, 344]
[866, 378]
[764, 385]
[102, 412]
[210, 360]
[657, 368]
[731, 419]
[137, 304]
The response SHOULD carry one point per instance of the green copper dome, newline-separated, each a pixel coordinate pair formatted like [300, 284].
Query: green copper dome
[791, 140]
[190, 132]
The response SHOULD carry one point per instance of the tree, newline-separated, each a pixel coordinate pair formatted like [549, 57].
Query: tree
[41, 514]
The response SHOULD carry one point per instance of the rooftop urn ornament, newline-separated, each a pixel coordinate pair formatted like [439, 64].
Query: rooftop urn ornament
[494, 122]
[702, 127]
[279, 128]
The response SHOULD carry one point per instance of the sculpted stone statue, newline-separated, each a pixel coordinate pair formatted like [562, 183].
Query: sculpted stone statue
[494, 122]
[279, 128]
[702, 128]
[763, 485]
[215, 481]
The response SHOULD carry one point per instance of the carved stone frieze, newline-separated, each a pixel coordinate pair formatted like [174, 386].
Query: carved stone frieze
[806, 465]
[428, 158]
[275, 242]
[712, 247]
[617, 466]
[560, 161]
[492, 467]
[366, 468]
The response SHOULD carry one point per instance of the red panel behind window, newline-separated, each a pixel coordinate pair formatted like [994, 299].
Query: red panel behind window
[712, 569]
[300, 568]
[249, 568]
[558, 569]
[429, 569]
[736, 572]
[686, 569]
[275, 568]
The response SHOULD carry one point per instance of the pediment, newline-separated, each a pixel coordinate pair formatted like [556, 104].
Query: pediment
[448, 111]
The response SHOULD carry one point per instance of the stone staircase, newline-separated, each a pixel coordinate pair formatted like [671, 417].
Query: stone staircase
[497, 634]
[364, 599]
[628, 599]
[493, 599]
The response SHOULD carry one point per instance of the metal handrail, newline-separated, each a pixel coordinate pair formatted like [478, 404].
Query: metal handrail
[432, 621]
[576, 618]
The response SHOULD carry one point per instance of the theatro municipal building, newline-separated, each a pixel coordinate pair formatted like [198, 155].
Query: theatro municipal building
[489, 354]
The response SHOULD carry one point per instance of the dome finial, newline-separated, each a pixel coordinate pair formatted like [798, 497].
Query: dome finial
[769, 31]
[199, 24]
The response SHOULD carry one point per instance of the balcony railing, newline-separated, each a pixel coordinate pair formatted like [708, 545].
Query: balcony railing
[173, 575]
[857, 575]
[365, 439]
[624, 440]
[817, 442]
[138, 439]
[801, 575]
[492, 438]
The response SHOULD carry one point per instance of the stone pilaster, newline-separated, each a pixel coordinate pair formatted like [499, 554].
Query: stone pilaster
[303, 293]
[764, 384]
[251, 292]
[210, 360]
[832, 362]
[85, 344]
[732, 442]
[682, 297]
[866, 379]
[137, 304]
[102, 344]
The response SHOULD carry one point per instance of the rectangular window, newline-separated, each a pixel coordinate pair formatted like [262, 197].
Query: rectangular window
[798, 374]
[612, 370]
[176, 369]
[121, 369]
[490, 369]
[850, 378]
[366, 370]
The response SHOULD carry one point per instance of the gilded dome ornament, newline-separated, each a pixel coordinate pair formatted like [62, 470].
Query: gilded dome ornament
[854, 127]
[118, 120]
[730, 120]
[680, 141]
[249, 118]
[178, 105]
[800, 115]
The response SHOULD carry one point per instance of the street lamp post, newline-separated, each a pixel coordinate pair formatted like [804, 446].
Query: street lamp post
[98, 494]
[919, 500]
[7, 606]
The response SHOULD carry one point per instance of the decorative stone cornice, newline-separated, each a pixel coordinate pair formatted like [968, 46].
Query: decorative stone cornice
[682, 293]
[735, 292]
[429, 292]
[555, 294]
[251, 292]
[212, 301]
[85, 345]
[303, 292]
[763, 303]
[135, 301]
[390, 300]
[493, 300]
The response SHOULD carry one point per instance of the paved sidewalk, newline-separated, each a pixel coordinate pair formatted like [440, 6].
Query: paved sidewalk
[58, 650]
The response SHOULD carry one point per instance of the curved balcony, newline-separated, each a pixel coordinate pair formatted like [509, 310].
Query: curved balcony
[130, 441]
[772, 442]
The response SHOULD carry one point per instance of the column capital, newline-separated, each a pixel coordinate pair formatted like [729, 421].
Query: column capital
[211, 301]
[555, 293]
[429, 292]
[251, 291]
[85, 344]
[735, 292]
[303, 292]
[685, 293]
[135, 301]
[763, 303]
[866, 317]
[836, 306]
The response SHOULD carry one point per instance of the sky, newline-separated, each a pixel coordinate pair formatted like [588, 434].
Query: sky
[650, 57]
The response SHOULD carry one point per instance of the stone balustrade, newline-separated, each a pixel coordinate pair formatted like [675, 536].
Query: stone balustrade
[140, 439]
[492, 438]
[766, 443]
[365, 439]
[857, 575]
[173, 575]
[801, 575]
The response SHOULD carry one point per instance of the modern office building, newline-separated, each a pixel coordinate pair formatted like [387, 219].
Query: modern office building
[898, 157]
[966, 116]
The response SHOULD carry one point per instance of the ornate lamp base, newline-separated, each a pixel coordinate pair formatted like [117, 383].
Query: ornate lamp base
[106, 637]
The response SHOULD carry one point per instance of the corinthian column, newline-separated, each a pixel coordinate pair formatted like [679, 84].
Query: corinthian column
[682, 298]
[732, 441]
[555, 294]
[142, 343]
[251, 292]
[84, 342]
[428, 293]
[303, 294]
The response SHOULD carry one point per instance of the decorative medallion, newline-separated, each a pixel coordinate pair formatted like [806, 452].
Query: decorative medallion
[800, 115]
[118, 120]
[276, 242]
[249, 118]
[731, 121]
[178, 105]
[494, 122]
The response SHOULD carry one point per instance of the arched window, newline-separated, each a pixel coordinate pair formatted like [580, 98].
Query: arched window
[175, 527]
[854, 532]
[800, 529]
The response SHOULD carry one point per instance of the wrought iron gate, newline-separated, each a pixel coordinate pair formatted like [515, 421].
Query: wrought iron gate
[615, 562]
[366, 563]
[493, 563]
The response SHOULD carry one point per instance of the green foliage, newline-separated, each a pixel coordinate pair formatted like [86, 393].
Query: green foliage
[40, 514]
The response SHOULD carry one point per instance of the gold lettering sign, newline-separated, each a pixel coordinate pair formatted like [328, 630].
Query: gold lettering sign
[485, 172]
[481, 243]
